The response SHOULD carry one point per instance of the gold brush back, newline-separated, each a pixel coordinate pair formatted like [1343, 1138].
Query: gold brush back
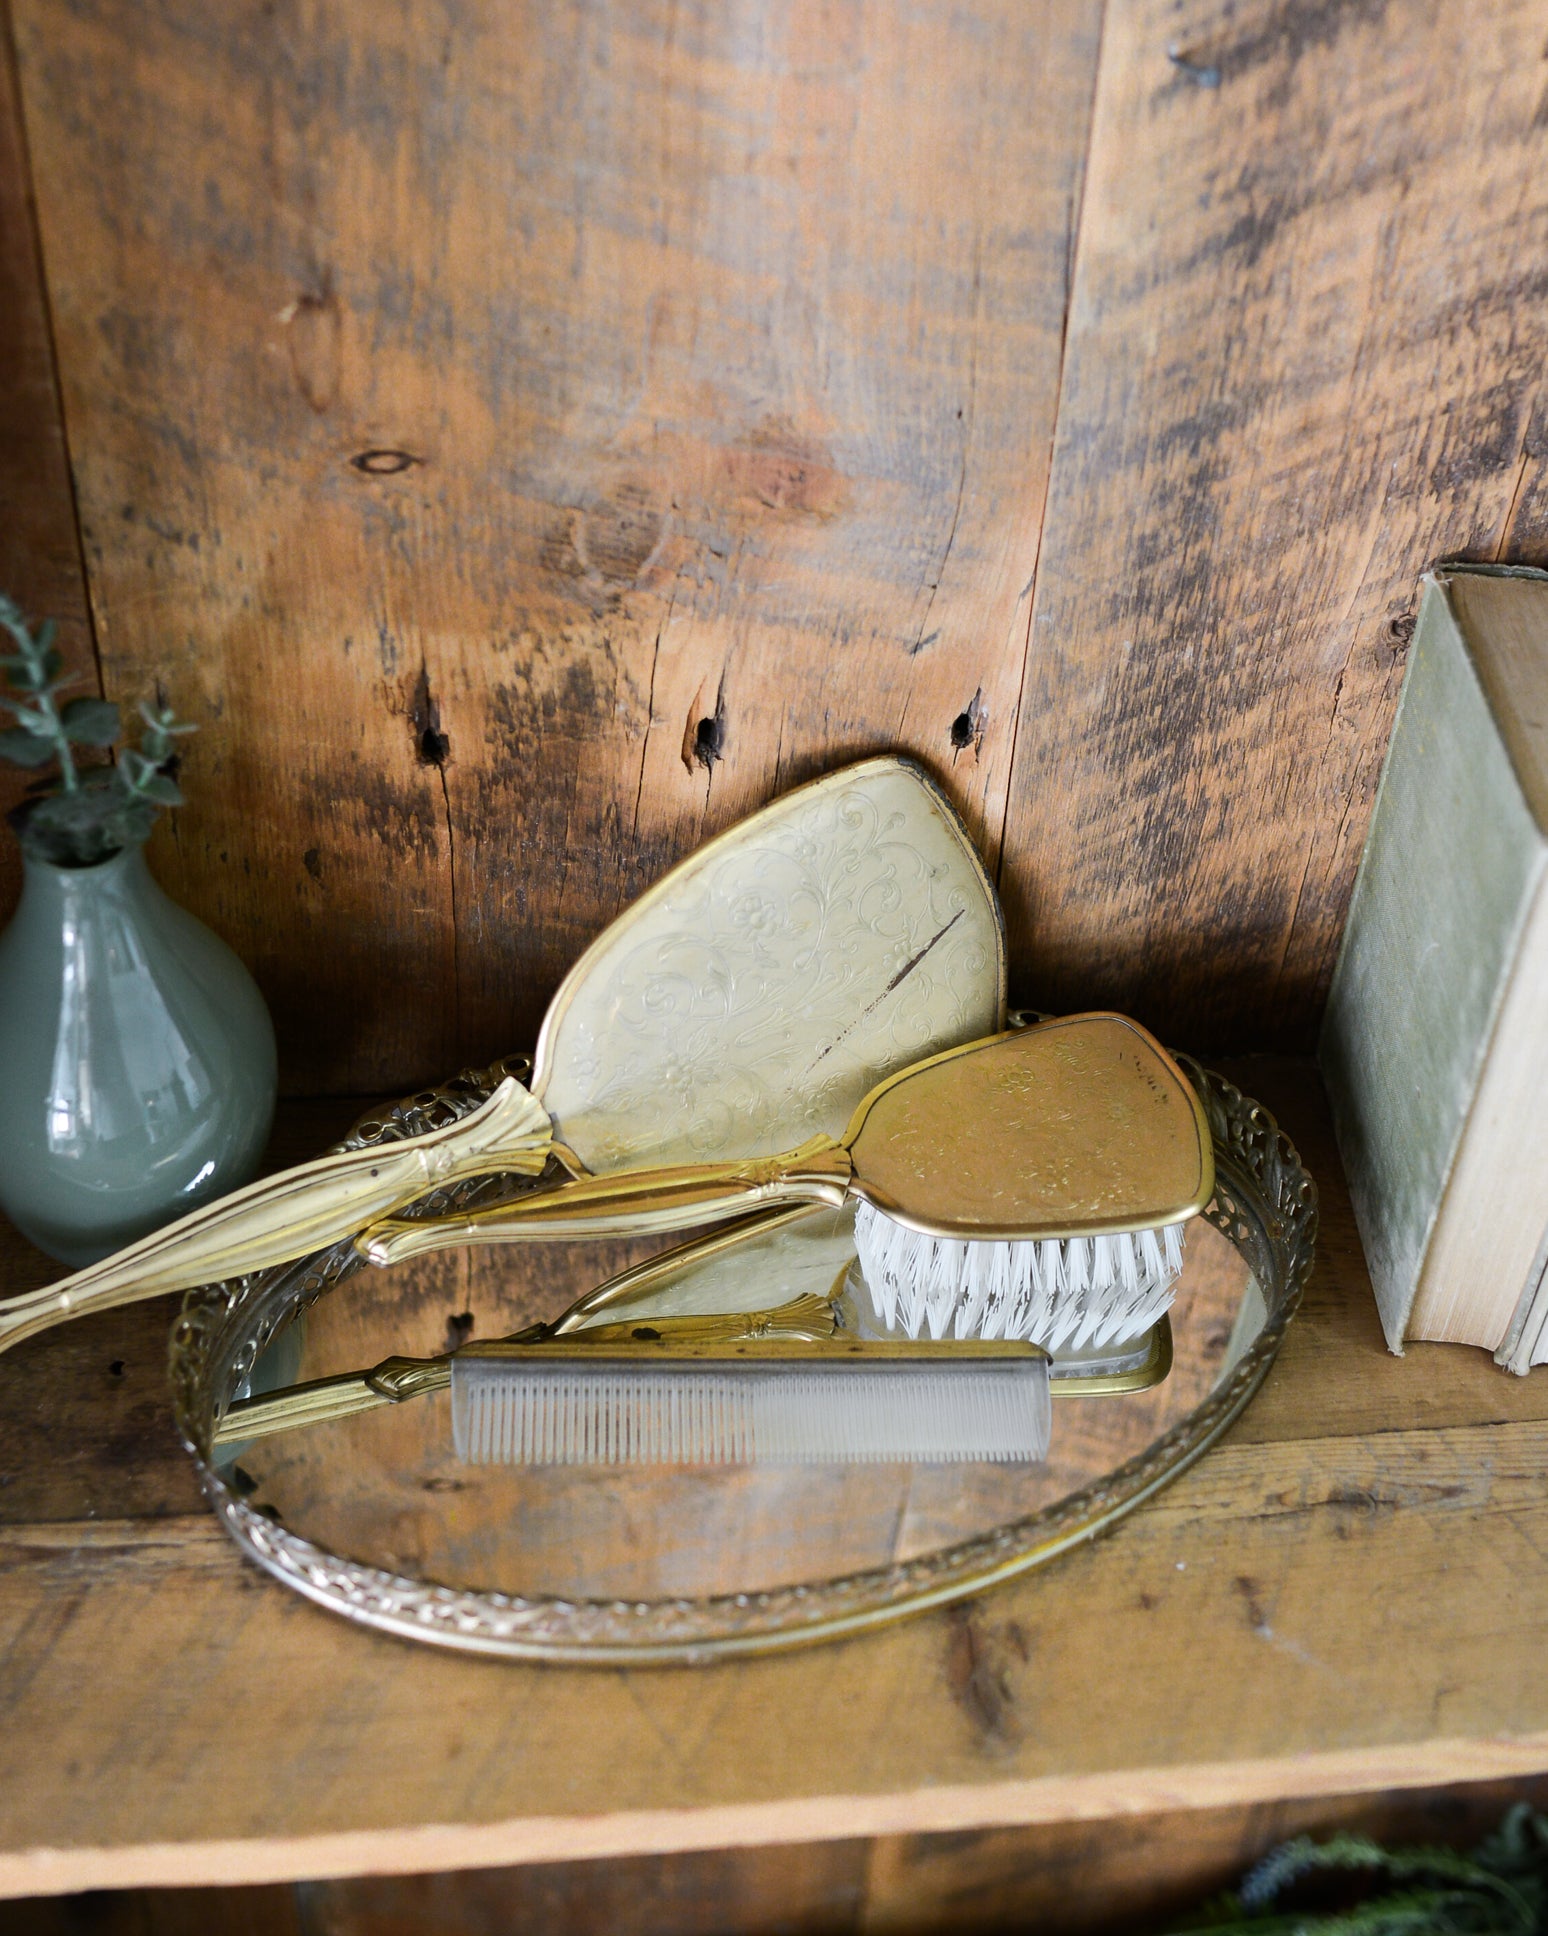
[1078, 1127]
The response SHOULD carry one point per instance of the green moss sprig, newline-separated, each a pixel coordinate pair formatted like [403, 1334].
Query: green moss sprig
[1500, 1889]
[84, 814]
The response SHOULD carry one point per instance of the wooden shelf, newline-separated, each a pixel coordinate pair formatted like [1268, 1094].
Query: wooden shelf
[1349, 1594]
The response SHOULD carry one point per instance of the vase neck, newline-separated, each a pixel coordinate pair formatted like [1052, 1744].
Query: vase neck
[49, 891]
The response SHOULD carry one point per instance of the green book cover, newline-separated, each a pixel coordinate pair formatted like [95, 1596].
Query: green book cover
[1445, 888]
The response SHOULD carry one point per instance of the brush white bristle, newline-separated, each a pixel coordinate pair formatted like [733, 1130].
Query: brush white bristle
[1060, 1292]
[748, 1414]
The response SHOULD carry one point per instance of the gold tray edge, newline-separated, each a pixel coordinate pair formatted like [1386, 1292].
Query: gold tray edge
[772, 1620]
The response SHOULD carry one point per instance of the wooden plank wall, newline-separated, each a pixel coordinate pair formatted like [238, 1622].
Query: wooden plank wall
[40, 559]
[529, 436]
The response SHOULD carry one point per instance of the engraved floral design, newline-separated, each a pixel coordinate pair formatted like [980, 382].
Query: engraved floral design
[777, 976]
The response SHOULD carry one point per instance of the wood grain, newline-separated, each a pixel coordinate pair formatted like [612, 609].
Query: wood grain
[1062, 1879]
[528, 438]
[1305, 358]
[528, 450]
[40, 553]
[1347, 1595]
[1099, 1878]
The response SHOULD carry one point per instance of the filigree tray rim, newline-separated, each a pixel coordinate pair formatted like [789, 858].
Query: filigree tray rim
[1265, 1203]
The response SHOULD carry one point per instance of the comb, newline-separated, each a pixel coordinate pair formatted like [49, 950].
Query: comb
[782, 1387]
[761, 1403]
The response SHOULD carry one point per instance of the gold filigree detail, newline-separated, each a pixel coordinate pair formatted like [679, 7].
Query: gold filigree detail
[1265, 1204]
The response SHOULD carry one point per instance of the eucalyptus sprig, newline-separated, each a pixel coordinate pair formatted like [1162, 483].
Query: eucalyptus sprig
[88, 813]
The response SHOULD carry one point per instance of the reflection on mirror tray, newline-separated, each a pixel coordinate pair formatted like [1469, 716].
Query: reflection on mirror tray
[388, 1485]
[376, 1514]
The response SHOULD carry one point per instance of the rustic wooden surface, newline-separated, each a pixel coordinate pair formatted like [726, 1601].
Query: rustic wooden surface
[1349, 1594]
[1305, 356]
[527, 443]
[529, 437]
[40, 554]
[1125, 1878]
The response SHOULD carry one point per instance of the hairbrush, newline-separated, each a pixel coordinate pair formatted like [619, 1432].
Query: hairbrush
[1030, 1185]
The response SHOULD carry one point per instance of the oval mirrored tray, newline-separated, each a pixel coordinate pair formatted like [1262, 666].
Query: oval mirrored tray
[374, 1517]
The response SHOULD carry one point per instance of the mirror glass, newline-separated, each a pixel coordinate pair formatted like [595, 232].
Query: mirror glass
[386, 1488]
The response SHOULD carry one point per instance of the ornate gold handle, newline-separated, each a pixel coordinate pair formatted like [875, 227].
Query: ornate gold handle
[300, 1210]
[808, 1319]
[633, 1202]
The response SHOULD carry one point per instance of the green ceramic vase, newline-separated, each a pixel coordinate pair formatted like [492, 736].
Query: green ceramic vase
[137, 1069]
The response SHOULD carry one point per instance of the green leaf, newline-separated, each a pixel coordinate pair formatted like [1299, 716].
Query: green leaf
[24, 748]
[52, 662]
[98, 819]
[43, 638]
[91, 722]
[162, 790]
[162, 720]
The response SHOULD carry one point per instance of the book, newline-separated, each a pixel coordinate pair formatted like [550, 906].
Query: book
[1434, 1046]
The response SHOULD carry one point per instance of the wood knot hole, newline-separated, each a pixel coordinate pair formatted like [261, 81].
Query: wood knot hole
[383, 462]
[708, 741]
